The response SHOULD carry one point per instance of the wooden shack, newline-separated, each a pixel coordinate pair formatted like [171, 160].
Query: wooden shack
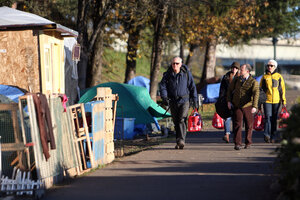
[32, 51]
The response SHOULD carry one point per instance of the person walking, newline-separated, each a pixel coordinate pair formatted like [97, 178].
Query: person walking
[225, 82]
[177, 90]
[242, 97]
[273, 84]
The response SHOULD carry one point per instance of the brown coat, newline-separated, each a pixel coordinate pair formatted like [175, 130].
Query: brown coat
[243, 94]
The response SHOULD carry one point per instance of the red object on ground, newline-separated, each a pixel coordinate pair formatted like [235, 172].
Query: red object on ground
[195, 122]
[217, 121]
[283, 116]
[259, 121]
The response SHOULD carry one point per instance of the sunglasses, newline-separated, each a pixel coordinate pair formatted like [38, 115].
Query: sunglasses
[175, 63]
[270, 65]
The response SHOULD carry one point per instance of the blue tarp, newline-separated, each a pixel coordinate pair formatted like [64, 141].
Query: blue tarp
[258, 78]
[211, 91]
[140, 81]
[11, 92]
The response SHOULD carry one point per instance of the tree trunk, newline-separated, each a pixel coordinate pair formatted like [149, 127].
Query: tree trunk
[181, 51]
[157, 48]
[209, 61]
[94, 77]
[132, 48]
[191, 53]
[82, 40]
[99, 11]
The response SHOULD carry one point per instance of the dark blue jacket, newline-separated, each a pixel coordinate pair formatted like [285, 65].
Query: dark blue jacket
[179, 87]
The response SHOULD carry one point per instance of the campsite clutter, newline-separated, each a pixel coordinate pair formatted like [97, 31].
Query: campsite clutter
[37, 155]
[43, 137]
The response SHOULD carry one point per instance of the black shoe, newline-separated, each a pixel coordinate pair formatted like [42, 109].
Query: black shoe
[267, 139]
[237, 147]
[180, 144]
[176, 147]
[247, 146]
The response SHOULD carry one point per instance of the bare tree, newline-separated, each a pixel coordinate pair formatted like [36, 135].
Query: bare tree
[156, 57]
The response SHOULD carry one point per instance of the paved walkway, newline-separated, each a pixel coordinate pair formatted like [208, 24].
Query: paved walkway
[206, 169]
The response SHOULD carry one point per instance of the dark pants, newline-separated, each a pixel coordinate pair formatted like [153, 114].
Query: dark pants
[271, 113]
[179, 115]
[239, 115]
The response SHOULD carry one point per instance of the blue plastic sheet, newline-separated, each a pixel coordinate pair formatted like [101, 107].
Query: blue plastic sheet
[11, 92]
[140, 81]
[210, 93]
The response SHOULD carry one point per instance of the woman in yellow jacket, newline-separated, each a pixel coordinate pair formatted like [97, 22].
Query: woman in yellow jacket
[273, 85]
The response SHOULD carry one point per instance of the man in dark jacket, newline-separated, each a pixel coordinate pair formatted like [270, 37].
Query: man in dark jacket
[242, 96]
[177, 89]
[226, 80]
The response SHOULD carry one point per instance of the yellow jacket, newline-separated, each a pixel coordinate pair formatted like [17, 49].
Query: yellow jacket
[274, 87]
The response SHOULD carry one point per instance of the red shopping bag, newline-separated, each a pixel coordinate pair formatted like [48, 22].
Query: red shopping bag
[259, 121]
[283, 116]
[195, 122]
[217, 121]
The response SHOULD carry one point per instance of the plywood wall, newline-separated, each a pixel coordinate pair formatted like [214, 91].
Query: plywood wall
[19, 64]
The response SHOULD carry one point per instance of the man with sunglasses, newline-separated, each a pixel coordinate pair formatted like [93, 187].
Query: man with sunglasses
[177, 90]
[273, 85]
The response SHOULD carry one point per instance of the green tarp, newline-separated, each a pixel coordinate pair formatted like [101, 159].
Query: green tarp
[134, 102]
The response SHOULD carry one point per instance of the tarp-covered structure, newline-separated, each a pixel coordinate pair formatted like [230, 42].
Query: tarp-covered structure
[134, 102]
[211, 91]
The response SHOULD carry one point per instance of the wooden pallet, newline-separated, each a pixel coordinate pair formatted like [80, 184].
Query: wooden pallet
[81, 137]
[110, 101]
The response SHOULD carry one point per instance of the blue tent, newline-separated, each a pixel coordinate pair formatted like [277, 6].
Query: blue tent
[140, 81]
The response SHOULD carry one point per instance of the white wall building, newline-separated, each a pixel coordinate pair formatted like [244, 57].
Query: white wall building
[258, 52]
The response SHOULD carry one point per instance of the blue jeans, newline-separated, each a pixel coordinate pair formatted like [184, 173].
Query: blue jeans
[271, 113]
[227, 123]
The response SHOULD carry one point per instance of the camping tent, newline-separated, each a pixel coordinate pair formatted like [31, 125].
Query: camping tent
[134, 102]
[140, 81]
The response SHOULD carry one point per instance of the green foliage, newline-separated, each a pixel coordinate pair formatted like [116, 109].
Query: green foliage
[289, 157]
[7, 3]
[114, 66]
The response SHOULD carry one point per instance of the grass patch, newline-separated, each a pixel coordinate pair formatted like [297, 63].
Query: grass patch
[114, 66]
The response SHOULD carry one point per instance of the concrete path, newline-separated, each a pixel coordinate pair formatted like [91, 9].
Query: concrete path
[207, 168]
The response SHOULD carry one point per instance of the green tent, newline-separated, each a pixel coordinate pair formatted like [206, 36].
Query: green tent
[134, 102]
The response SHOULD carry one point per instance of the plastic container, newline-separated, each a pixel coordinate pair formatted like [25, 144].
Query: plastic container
[124, 128]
